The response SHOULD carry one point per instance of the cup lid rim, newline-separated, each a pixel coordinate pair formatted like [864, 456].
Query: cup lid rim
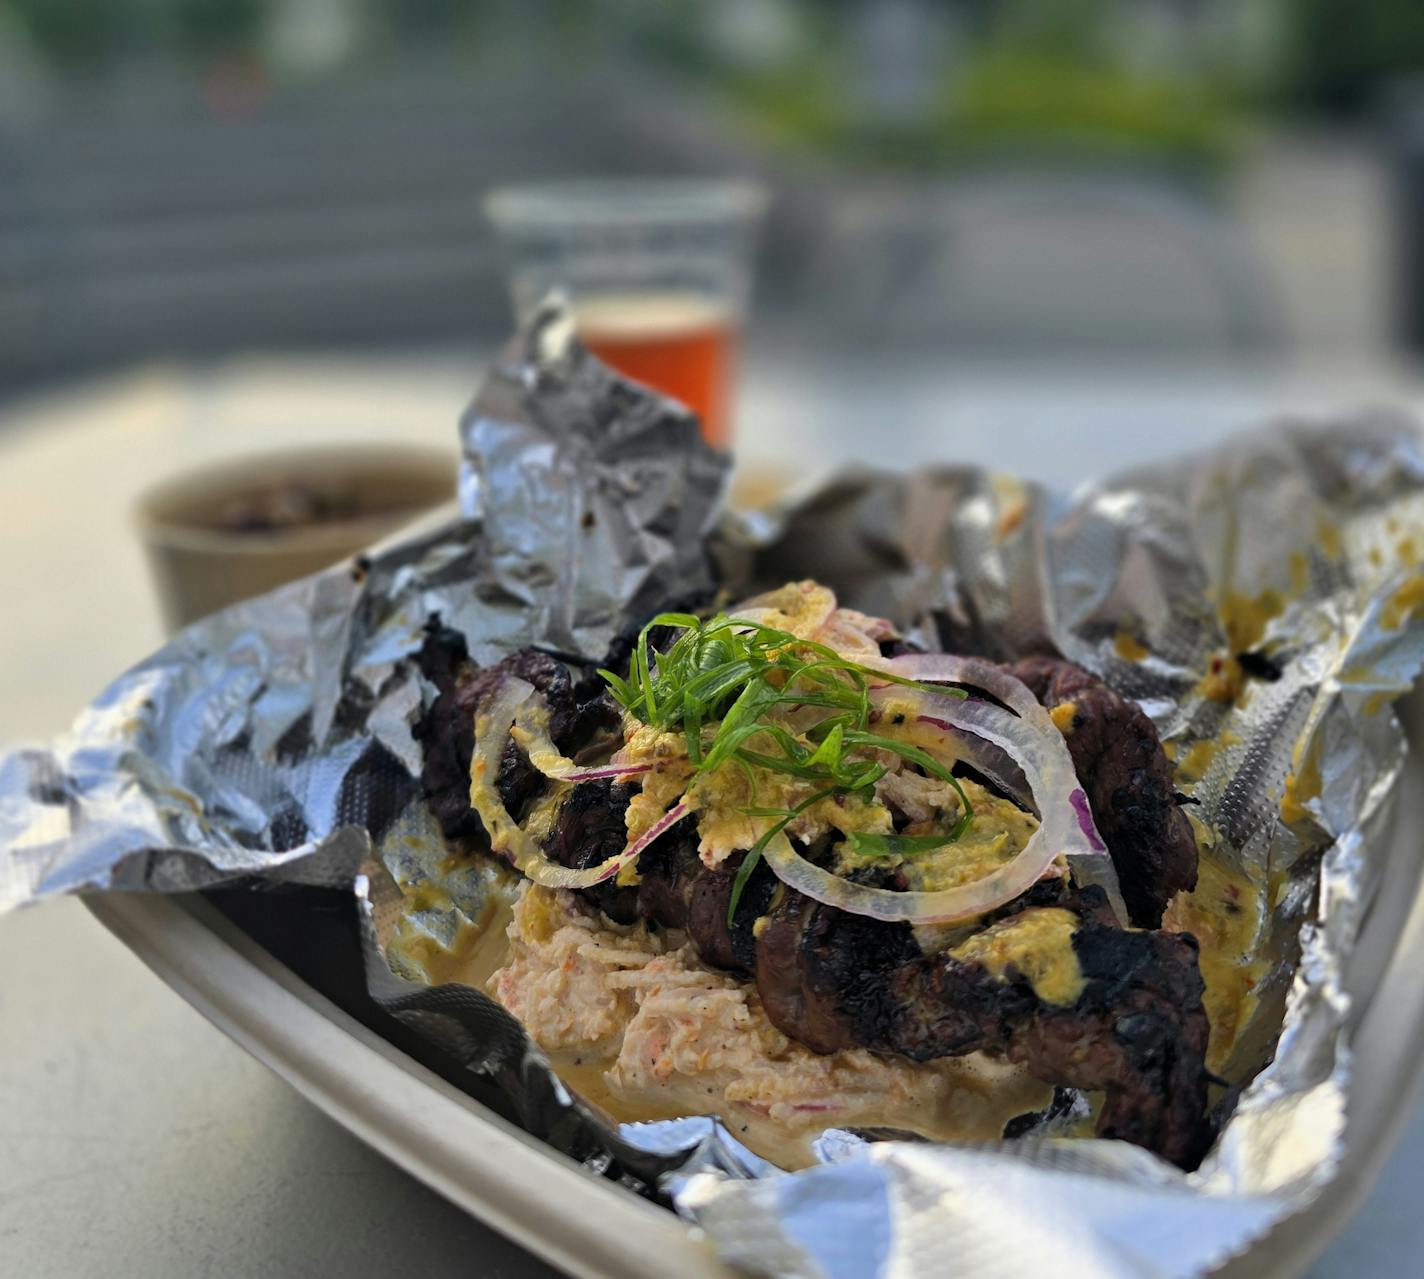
[590, 201]
[152, 512]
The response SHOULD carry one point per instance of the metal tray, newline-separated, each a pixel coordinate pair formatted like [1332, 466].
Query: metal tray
[482, 1162]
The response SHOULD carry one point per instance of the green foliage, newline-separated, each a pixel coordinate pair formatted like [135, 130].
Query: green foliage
[212, 26]
[85, 34]
[76, 33]
[1020, 96]
[1342, 49]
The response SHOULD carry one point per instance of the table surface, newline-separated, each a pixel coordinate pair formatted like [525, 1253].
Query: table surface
[136, 1139]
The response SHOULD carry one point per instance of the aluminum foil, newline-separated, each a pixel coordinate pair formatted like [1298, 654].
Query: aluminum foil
[273, 742]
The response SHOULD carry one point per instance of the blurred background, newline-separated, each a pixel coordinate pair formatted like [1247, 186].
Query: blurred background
[1053, 236]
[1193, 178]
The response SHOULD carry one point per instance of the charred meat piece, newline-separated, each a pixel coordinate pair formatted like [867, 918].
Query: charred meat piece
[824, 975]
[677, 891]
[446, 732]
[590, 829]
[1135, 1029]
[1119, 760]
[1138, 1030]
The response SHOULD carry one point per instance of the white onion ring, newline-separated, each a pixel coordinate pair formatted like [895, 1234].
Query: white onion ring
[844, 632]
[1085, 849]
[1057, 833]
[994, 765]
[553, 763]
[943, 668]
[505, 834]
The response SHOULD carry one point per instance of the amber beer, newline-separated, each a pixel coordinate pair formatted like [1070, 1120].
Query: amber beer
[682, 345]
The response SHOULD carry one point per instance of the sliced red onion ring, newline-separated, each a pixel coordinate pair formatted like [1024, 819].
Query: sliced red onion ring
[1029, 739]
[992, 764]
[492, 727]
[1088, 857]
[1047, 754]
[843, 632]
[944, 668]
[492, 730]
[552, 875]
[1079, 800]
[965, 900]
[533, 728]
[578, 775]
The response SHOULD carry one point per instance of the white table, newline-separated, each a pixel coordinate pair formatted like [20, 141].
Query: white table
[135, 1139]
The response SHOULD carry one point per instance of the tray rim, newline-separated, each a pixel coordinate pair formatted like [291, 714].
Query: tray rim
[439, 1135]
[389, 1103]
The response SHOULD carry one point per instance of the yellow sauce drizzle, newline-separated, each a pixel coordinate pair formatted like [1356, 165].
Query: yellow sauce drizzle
[1038, 945]
[1130, 648]
[1064, 717]
[1330, 540]
[477, 948]
[1197, 762]
[1245, 617]
[1223, 680]
[1403, 604]
[1223, 912]
[1301, 786]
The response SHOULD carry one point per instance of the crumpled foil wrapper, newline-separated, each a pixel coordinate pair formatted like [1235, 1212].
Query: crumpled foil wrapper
[274, 741]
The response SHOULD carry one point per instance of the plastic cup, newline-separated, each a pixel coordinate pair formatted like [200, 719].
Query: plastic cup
[658, 273]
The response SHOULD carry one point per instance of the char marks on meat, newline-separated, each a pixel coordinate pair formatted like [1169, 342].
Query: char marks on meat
[1119, 760]
[825, 976]
[578, 714]
[588, 830]
[1138, 1031]
[832, 980]
[676, 890]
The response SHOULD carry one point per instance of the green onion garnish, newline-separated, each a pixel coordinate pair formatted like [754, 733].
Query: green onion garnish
[903, 845]
[719, 682]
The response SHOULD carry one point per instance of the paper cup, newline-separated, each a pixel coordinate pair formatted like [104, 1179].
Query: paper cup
[352, 497]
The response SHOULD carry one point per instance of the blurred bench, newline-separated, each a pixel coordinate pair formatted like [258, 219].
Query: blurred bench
[338, 218]
[1043, 260]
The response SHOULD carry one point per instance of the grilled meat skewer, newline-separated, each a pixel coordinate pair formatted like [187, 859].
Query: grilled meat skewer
[1131, 1023]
